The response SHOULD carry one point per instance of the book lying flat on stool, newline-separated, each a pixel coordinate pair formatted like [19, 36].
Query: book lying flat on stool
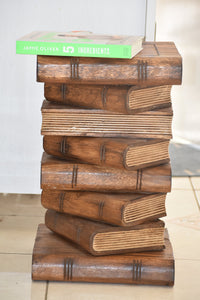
[57, 259]
[159, 63]
[79, 43]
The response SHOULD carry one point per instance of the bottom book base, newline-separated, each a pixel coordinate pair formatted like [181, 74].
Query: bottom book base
[56, 259]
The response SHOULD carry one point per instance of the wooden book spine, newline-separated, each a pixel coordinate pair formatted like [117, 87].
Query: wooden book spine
[103, 239]
[66, 268]
[123, 99]
[62, 120]
[127, 209]
[63, 175]
[157, 64]
[55, 259]
[130, 154]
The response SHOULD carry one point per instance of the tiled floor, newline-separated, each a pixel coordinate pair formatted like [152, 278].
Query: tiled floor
[20, 215]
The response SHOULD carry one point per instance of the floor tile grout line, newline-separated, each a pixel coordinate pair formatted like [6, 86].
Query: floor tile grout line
[187, 259]
[32, 216]
[195, 193]
[15, 253]
[46, 291]
[181, 189]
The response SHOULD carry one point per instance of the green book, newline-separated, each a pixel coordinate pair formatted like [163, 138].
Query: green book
[79, 43]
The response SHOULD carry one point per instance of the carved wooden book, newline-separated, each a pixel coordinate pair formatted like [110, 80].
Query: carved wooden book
[123, 99]
[67, 175]
[116, 209]
[61, 120]
[56, 259]
[103, 239]
[130, 154]
[159, 63]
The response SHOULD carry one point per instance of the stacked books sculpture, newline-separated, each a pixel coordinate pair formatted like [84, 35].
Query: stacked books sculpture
[105, 172]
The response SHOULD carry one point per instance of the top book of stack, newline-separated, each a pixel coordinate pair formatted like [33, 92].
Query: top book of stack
[79, 43]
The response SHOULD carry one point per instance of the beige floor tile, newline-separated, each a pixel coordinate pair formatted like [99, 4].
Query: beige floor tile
[15, 286]
[38, 290]
[191, 221]
[182, 183]
[20, 265]
[196, 182]
[187, 274]
[21, 205]
[187, 280]
[185, 240]
[90, 291]
[15, 263]
[180, 203]
[18, 233]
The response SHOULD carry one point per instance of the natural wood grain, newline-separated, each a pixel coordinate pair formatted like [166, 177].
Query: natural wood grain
[61, 120]
[120, 153]
[159, 63]
[59, 260]
[127, 209]
[68, 175]
[103, 239]
[123, 99]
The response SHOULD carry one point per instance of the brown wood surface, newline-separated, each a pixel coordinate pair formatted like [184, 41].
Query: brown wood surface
[62, 120]
[123, 99]
[130, 154]
[67, 175]
[111, 208]
[159, 63]
[104, 239]
[56, 259]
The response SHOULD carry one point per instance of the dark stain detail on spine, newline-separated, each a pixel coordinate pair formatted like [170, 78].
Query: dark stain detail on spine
[63, 92]
[137, 270]
[74, 68]
[63, 145]
[74, 176]
[101, 206]
[142, 70]
[139, 180]
[68, 269]
[104, 94]
[102, 153]
[61, 201]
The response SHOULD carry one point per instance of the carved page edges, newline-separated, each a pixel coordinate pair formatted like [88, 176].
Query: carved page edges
[68, 268]
[74, 68]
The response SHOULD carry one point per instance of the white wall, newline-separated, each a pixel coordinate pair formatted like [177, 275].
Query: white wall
[21, 97]
[179, 21]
